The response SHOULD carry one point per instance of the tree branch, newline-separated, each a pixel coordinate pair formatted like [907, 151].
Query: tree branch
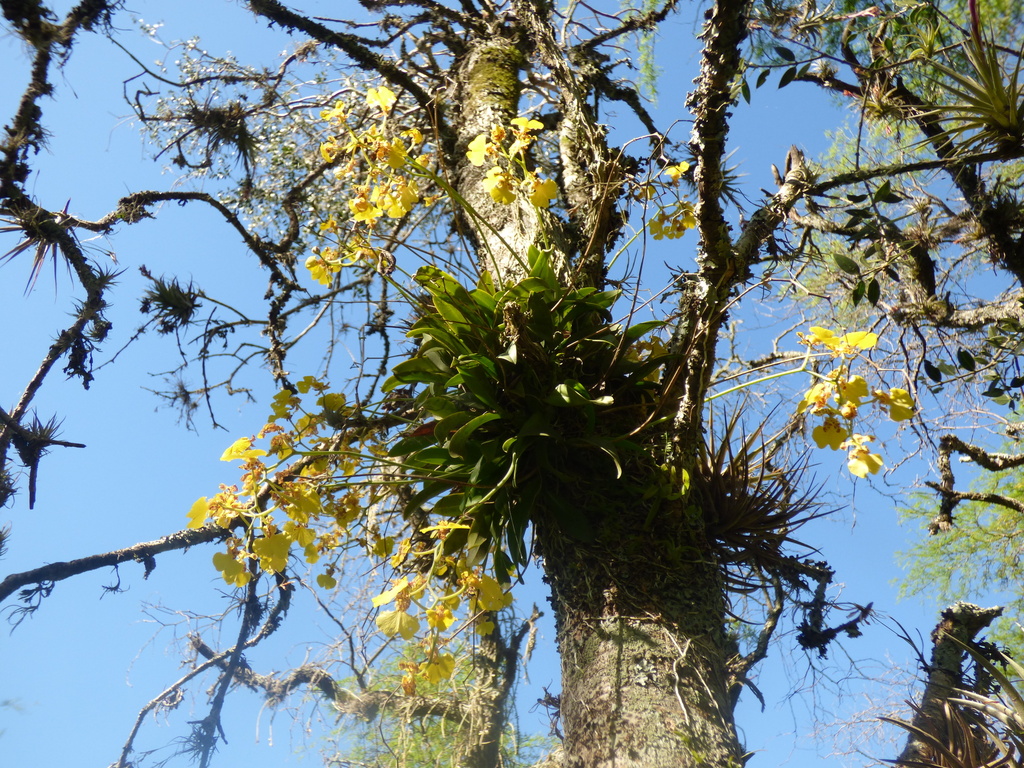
[139, 553]
[351, 45]
[959, 625]
[993, 462]
[364, 705]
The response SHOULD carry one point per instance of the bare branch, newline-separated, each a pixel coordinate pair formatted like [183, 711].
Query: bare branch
[138, 553]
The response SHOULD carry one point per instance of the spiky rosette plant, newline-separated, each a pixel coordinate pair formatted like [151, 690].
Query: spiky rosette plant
[981, 727]
[751, 507]
[986, 109]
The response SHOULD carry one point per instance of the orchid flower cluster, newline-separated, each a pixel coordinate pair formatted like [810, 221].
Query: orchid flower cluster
[316, 507]
[837, 397]
[388, 184]
[673, 219]
[509, 178]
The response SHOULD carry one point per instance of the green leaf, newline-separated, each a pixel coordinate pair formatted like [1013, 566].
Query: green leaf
[858, 293]
[885, 194]
[451, 506]
[431, 488]
[419, 370]
[994, 391]
[787, 77]
[477, 384]
[569, 392]
[540, 266]
[874, 292]
[478, 540]
[484, 300]
[784, 53]
[637, 330]
[846, 264]
[932, 372]
[965, 359]
[451, 311]
[609, 448]
[762, 78]
[458, 444]
[410, 445]
[486, 364]
[443, 337]
[439, 407]
[537, 425]
[455, 541]
[450, 423]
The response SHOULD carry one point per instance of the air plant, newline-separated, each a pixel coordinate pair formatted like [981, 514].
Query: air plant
[751, 507]
[986, 112]
[979, 728]
[39, 236]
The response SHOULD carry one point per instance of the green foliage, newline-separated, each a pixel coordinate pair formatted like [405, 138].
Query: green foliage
[172, 305]
[980, 555]
[994, 362]
[399, 739]
[985, 105]
[527, 388]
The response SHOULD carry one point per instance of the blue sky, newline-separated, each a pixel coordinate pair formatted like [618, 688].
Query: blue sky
[80, 669]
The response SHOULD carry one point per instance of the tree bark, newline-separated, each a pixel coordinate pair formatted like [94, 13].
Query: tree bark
[643, 647]
[962, 622]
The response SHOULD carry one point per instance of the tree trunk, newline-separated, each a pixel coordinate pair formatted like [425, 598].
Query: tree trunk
[962, 622]
[640, 626]
[644, 652]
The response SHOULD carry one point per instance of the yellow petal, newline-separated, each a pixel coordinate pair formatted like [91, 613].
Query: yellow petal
[675, 172]
[326, 581]
[440, 668]
[861, 339]
[198, 514]
[900, 403]
[272, 552]
[382, 97]
[862, 463]
[242, 449]
[477, 150]
[543, 192]
[388, 595]
[830, 434]
[499, 186]
[393, 623]
[853, 389]
[526, 124]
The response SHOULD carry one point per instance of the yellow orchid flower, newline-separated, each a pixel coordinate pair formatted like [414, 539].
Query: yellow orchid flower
[500, 185]
[830, 433]
[393, 623]
[232, 571]
[381, 97]
[272, 552]
[541, 192]
[440, 617]
[675, 172]
[242, 449]
[439, 667]
[198, 513]
[900, 403]
[860, 461]
[478, 150]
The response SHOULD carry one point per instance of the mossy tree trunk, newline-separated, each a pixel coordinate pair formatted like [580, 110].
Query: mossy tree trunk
[641, 606]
